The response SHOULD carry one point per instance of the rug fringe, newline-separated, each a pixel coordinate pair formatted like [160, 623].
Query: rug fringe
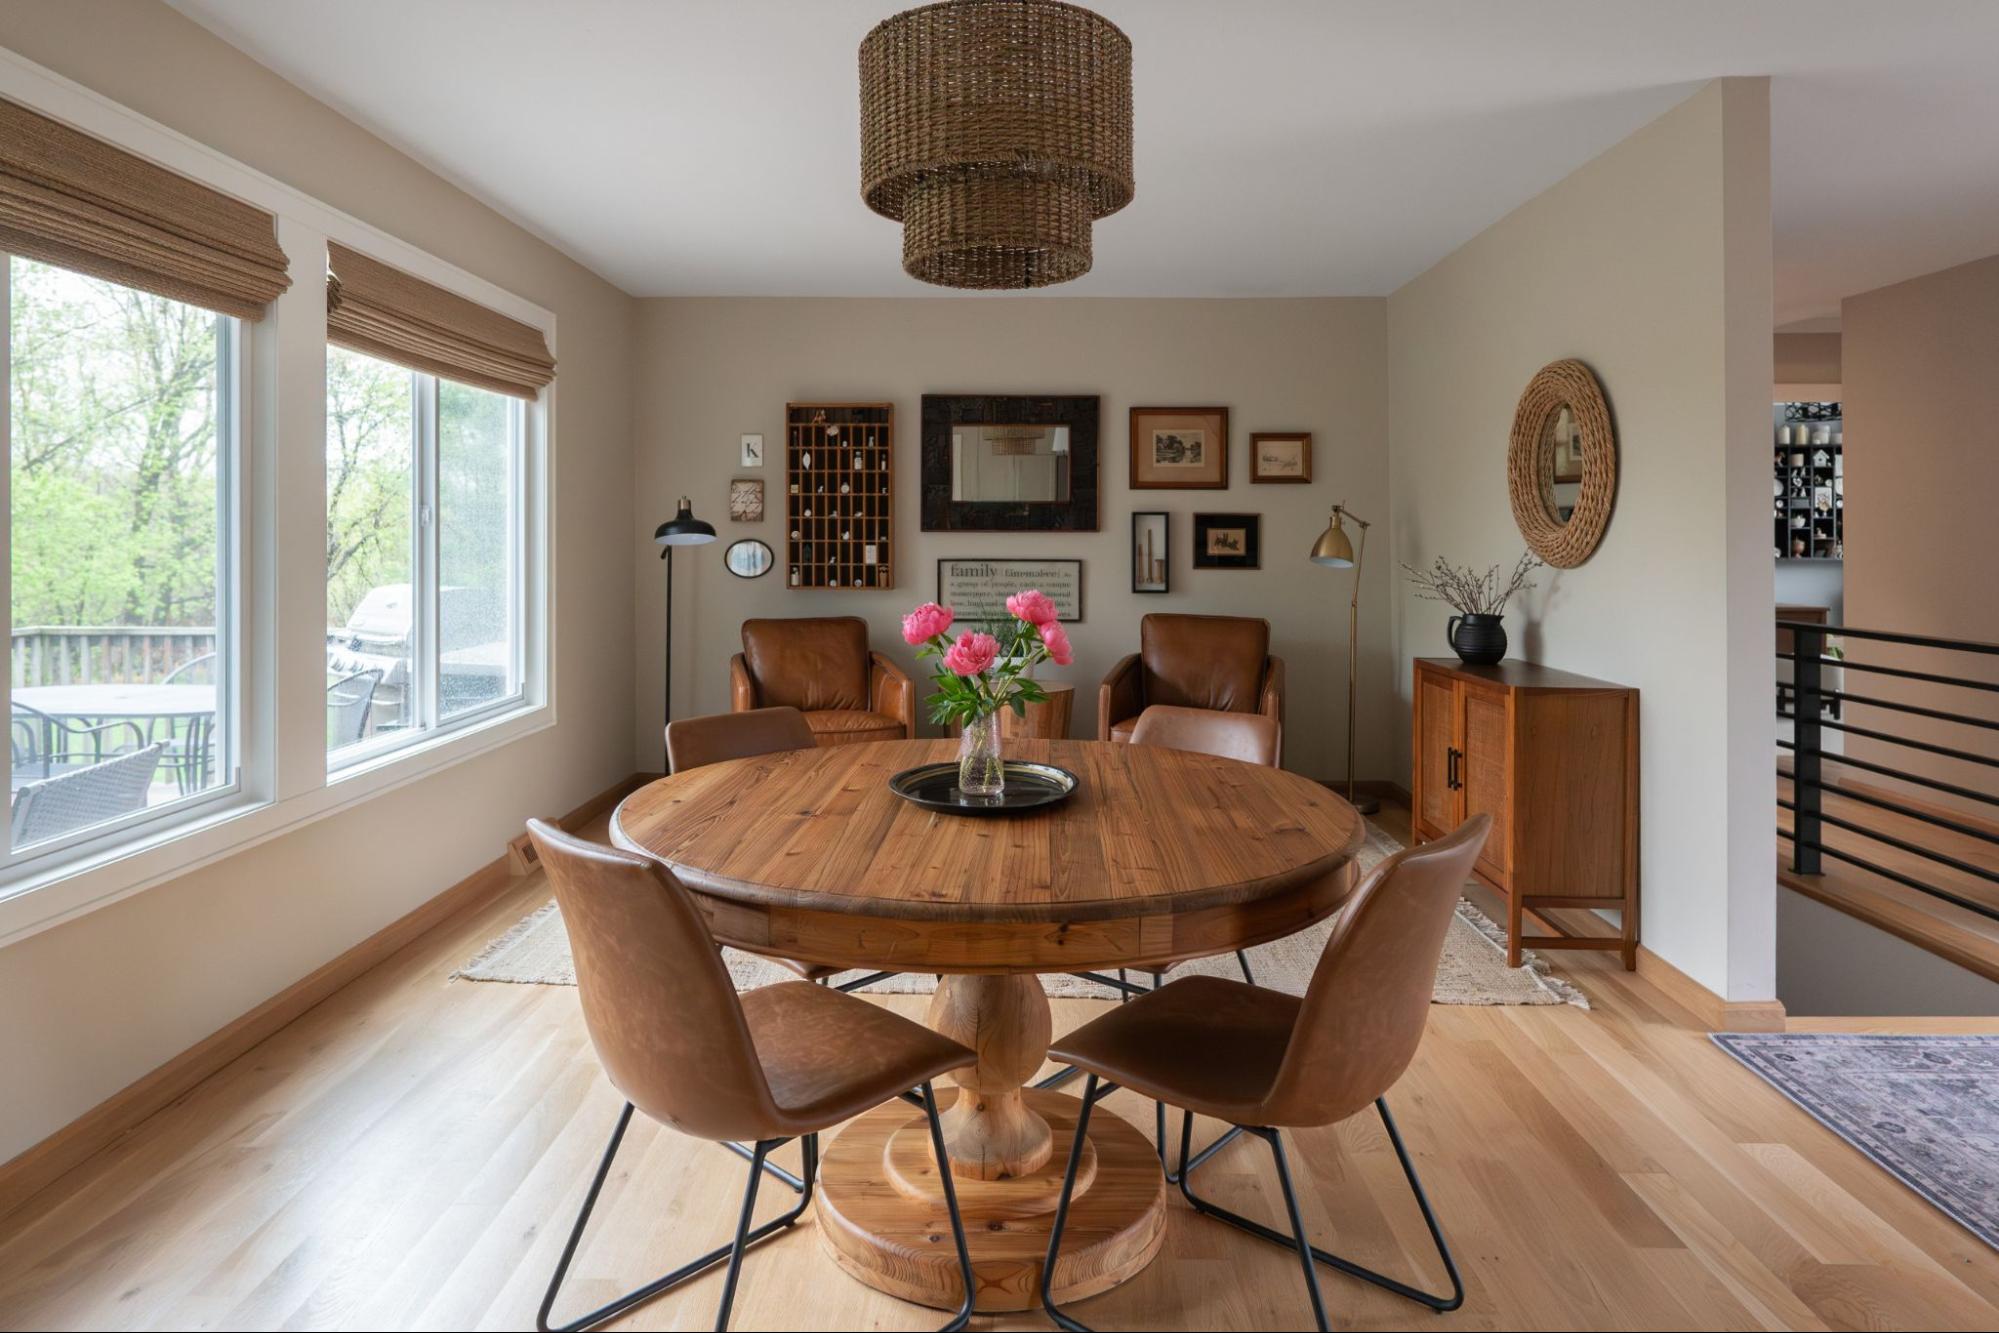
[1495, 935]
[513, 936]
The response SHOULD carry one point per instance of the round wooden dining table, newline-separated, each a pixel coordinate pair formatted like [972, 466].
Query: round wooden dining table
[1159, 856]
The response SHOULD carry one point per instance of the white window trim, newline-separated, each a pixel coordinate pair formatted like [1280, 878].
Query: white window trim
[56, 856]
[283, 778]
[426, 581]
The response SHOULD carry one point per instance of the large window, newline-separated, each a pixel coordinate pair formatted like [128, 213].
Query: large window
[120, 422]
[424, 551]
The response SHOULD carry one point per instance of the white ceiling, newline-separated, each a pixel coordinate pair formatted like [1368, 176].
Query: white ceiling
[1284, 147]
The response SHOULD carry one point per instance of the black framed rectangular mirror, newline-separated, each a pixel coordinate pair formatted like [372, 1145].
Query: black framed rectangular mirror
[1009, 463]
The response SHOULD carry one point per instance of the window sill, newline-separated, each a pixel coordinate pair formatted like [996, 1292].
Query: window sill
[46, 896]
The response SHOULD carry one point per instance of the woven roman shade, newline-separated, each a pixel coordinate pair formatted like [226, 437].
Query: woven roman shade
[385, 312]
[70, 199]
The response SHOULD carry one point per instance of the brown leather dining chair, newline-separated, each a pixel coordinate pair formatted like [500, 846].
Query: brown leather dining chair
[823, 667]
[696, 742]
[1249, 737]
[1219, 663]
[1265, 1061]
[779, 1063]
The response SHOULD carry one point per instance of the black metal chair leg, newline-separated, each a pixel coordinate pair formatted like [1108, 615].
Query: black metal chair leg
[1062, 1214]
[1242, 961]
[1222, 1141]
[745, 1236]
[964, 1315]
[741, 1242]
[1305, 1255]
[1059, 1077]
[868, 980]
[1441, 1304]
[797, 1185]
[1117, 983]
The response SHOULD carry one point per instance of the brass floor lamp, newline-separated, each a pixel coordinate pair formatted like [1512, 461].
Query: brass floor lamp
[1336, 550]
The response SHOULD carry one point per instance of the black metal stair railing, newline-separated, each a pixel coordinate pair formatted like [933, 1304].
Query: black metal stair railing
[1810, 699]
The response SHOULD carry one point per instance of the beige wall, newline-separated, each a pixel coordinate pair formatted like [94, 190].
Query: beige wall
[1652, 264]
[1922, 472]
[711, 370]
[1806, 358]
[127, 987]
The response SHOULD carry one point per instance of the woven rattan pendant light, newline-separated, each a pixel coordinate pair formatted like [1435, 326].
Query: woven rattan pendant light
[996, 132]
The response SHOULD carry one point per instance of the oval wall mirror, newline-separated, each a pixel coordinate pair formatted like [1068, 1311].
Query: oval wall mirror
[748, 558]
[1561, 464]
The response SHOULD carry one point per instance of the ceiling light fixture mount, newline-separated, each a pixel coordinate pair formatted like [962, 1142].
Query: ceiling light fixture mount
[996, 132]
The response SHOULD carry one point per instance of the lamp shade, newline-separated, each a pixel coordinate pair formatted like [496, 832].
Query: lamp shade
[1333, 547]
[996, 132]
[683, 529]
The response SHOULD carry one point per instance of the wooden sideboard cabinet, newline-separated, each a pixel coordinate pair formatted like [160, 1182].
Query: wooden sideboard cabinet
[1553, 758]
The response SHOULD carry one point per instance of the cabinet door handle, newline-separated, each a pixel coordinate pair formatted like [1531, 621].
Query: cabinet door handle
[1451, 768]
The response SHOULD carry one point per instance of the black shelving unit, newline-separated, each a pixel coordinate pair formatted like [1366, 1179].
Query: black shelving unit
[1809, 495]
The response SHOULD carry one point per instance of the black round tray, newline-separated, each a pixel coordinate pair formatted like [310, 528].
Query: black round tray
[1028, 787]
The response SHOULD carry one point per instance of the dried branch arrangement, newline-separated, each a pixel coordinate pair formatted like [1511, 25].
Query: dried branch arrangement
[1470, 593]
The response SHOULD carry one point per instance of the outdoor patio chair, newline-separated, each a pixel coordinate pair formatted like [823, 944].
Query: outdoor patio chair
[84, 796]
[347, 702]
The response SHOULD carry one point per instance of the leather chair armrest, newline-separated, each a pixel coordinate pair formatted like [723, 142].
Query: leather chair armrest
[1120, 696]
[892, 692]
[742, 689]
[1271, 705]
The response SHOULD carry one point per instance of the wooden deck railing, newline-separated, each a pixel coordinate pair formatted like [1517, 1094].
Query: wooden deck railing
[104, 654]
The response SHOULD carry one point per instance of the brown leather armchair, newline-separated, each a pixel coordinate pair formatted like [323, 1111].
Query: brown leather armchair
[1220, 663]
[822, 666]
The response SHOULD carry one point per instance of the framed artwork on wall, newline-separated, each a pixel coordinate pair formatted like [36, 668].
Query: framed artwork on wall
[1009, 463]
[746, 500]
[1280, 456]
[1179, 448]
[753, 451]
[748, 558]
[1151, 551]
[977, 589]
[1228, 541]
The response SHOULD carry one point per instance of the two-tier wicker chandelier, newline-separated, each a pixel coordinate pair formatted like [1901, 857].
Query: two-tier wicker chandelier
[996, 132]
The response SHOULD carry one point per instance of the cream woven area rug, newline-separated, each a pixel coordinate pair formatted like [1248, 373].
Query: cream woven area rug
[1473, 971]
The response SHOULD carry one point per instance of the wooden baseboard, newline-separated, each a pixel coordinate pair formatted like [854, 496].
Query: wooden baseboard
[105, 1124]
[1714, 1013]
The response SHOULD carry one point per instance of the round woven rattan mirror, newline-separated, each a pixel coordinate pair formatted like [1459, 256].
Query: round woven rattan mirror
[1561, 465]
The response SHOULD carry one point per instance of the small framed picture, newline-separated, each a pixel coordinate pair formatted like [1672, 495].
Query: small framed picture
[746, 500]
[1180, 448]
[1281, 456]
[753, 451]
[977, 589]
[748, 558]
[1151, 552]
[1228, 541]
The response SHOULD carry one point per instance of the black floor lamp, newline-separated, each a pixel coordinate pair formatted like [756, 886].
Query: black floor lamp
[683, 529]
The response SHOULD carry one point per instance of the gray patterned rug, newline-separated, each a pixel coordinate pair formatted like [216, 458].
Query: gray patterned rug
[1924, 1108]
[1473, 969]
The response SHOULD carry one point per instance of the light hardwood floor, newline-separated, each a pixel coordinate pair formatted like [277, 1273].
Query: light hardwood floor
[410, 1154]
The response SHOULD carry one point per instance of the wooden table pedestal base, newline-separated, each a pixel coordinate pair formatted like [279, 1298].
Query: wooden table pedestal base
[881, 1211]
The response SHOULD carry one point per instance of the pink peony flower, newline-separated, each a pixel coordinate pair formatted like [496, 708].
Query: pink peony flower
[972, 653]
[1033, 606]
[926, 622]
[1056, 639]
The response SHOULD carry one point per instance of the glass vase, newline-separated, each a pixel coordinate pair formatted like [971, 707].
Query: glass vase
[980, 772]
